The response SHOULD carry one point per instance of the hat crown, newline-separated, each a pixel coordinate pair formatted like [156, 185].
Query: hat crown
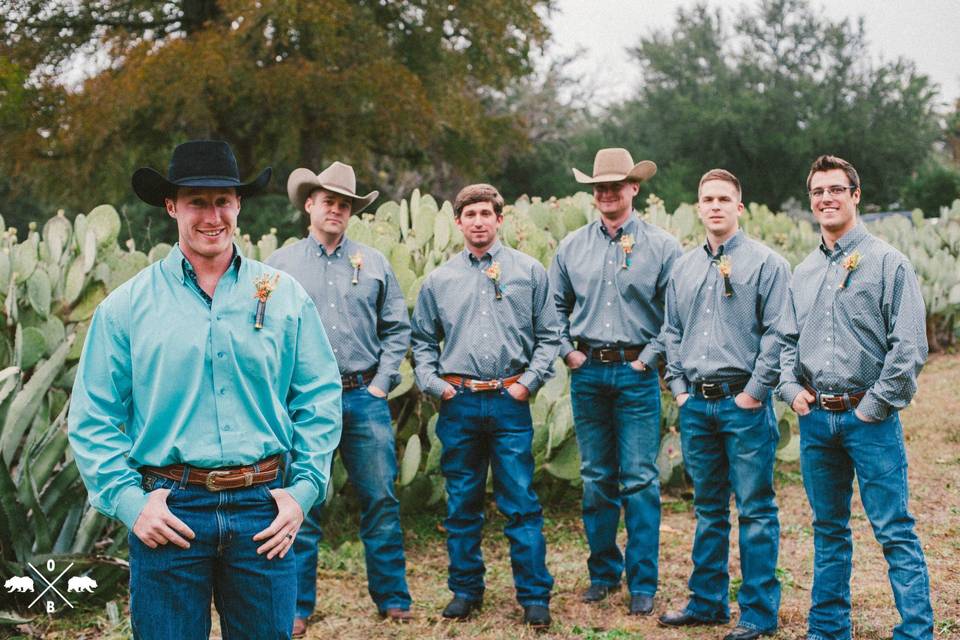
[340, 176]
[203, 159]
[612, 161]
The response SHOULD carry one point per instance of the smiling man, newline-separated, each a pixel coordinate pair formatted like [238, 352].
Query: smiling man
[183, 411]
[854, 341]
[490, 308]
[365, 316]
[724, 303]
[609, 279]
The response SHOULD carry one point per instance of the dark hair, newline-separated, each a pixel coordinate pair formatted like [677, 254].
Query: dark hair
[475, 193]
[720, 174]
[829, 163]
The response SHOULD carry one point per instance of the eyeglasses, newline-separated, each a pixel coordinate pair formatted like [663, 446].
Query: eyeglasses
[836, 191]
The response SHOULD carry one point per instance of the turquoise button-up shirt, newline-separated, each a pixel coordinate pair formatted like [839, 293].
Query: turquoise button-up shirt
[167, 377]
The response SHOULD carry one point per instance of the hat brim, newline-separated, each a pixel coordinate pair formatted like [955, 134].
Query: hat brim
[302, 182]
[153, 188]
[641, 172]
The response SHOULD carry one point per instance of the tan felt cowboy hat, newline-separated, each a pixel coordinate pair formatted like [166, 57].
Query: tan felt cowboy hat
[338, 178]
[614, 165]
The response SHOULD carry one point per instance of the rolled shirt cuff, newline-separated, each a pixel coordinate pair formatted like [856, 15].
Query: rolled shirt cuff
[649, 356]
[566, 348]
[757, 390]
[873, 407]
[130, 503]
[305, 493]
[384, 381]
[678, 386]
[530, 380]
[435, 386]
[788, 391]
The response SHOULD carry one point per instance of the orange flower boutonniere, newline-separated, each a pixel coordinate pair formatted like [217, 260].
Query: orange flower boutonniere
[493, 272]
[626, 243]
[264, 286]
[725, 267]
[850, 263]
[356, 260]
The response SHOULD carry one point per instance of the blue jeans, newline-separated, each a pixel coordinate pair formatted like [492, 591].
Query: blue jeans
[616, 413]
[368, 450]
[170, 587]
[477, 430]
[833, 446]
[728, 449]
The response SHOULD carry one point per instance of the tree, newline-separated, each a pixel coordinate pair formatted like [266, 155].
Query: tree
[764, 95]
[397, 88]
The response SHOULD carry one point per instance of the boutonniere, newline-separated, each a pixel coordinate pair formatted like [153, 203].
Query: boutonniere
[493, 272]
[356, 260]
[626, 243]
[725, 267]
[264, 286]
[850, 263]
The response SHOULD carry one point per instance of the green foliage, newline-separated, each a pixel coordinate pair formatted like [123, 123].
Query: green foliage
[934, 185]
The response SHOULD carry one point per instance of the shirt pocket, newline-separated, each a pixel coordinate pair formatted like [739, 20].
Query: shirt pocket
[518, 296]
[362, 297]
[860, 302]
[638, 281]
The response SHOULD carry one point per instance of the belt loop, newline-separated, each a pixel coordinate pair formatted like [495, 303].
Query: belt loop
[184, 476]
[846, 401]
[726, 388]
[623, 355]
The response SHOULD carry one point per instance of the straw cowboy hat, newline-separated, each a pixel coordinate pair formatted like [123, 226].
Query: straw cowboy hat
[338, 178]
[198, 163]
[614, 165]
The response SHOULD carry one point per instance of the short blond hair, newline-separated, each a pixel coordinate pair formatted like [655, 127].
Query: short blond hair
[723, 175]
[474, 193]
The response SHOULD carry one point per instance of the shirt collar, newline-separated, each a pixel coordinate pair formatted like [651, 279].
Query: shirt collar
[733, 242]
[492, 253]
[340, 249]
[847, 242]
[178, 264]
[630, 226]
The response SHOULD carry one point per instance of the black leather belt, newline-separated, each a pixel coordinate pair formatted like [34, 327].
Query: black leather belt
[352, 381]
[627, 353]
[720, 388]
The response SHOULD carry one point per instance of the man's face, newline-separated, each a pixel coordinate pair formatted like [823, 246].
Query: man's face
[329, 212]
[479, 224]
[615, 199]
[719, 207]
[206, 219]
[835, 213]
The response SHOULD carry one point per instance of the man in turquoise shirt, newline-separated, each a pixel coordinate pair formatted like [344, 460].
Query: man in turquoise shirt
[198, 376]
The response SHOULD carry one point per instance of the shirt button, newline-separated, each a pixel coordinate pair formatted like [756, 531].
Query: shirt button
[334, 350]
[828, 362]
[708, 310]
[334, 327]
[609, 303]
[709, 288]
[219, 317]
[609, 261]
[703, 357]
[829, 287]
[331, 305]
[226, 427]
[828, 339]
[483, 312]
[223, 391]
[607, 325]
[704, 333]
[484, 335]
[330, 283]
[483, 290]
[220, 354]
[609, 281]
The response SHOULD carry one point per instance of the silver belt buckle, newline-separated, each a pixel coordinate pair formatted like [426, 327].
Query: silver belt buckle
[211, 476]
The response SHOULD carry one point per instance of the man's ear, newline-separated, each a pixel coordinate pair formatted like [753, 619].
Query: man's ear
[170, 206]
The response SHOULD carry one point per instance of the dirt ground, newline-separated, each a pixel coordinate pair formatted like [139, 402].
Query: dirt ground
[932, 431]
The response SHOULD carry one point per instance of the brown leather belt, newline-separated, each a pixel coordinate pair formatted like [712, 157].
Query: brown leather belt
[836, 401]
[220, 479]
[481, 385]
[721, 389]
[610, 354]
[351, 381]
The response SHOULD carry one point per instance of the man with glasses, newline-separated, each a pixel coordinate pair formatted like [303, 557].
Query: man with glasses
[854, 342]
[609, 279]
[724, 302]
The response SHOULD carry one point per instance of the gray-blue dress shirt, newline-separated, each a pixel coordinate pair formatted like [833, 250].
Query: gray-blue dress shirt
[710, 336]
[367, 322]
[603, 304]
[485, 338]
[869, 335]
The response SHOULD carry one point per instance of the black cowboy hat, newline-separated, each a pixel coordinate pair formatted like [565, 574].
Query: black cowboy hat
[198, 163]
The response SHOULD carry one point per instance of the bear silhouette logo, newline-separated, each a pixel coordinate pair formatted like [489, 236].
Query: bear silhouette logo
[20, 584]
[77, 584]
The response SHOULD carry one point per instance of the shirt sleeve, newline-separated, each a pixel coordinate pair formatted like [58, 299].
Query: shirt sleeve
[427, 333]
[393, 329]
[905, 318]
[772, 295]
[655, 348]
[313, 404]
[671, 337]
[546, 331]
[789, 333]
[564, 299]
[99, 408]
